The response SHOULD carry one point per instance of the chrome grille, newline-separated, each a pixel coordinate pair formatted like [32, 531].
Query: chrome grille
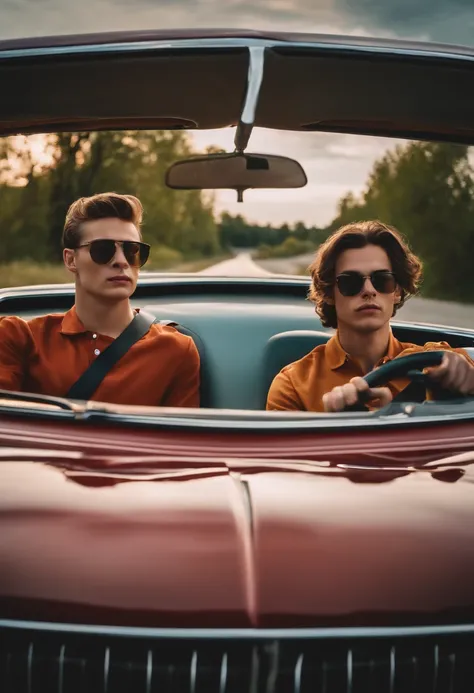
[35, 661]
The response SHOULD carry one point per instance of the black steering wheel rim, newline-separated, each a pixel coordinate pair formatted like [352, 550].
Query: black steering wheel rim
[401, 366]
[410, 366]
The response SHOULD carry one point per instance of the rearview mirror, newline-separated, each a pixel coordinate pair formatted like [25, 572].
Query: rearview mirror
[236, 172]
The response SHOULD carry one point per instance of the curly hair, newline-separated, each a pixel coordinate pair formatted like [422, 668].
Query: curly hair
[100, 206]
[406, 266]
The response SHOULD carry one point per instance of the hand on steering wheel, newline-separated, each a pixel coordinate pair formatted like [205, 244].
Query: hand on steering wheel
[352, 395]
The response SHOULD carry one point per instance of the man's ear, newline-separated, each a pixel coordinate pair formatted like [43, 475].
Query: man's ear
[397, 296]
[69, 257]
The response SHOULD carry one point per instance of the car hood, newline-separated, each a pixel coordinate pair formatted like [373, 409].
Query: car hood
[236, 543]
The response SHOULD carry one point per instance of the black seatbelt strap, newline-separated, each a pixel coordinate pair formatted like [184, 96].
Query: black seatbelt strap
[90, 380]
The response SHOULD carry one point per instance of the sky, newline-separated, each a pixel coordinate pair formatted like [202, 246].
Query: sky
[335, 164]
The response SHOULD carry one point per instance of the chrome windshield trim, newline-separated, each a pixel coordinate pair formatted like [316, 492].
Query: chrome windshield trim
[241, 420]
[223, 674]
[29, 671]
[254, 84]
[298, 674]
[267, 421]
[149, 671]
[127, 47]
[240, 633]
[255, 78]
[144, 46]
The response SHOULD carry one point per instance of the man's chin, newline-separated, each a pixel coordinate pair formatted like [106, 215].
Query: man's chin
[117, 293]
[369, 323]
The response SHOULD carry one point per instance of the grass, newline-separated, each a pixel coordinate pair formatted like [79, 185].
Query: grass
[26, 273]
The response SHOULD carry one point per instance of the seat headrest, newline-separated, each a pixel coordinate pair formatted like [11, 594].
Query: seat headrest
[284, 348]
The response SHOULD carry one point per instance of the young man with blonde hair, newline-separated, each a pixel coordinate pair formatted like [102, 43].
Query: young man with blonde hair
[104, 251]
[361, 276]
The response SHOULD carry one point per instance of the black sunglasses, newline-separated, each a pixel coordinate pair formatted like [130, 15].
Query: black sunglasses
[351, 283]
[103, 251]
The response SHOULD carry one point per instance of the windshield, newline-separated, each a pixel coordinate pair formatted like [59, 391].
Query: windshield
[265, 268]
[419, 187]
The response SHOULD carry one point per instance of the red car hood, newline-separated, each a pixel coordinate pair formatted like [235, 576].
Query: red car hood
[235, 543]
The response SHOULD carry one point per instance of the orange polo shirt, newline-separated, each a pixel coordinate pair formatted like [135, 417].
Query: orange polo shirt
[301, 385]
[47, 355]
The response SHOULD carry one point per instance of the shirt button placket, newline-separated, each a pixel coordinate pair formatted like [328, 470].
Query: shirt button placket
[96, 351]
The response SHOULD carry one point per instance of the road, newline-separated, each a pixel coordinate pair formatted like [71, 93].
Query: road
[241, 265]
[416, 309]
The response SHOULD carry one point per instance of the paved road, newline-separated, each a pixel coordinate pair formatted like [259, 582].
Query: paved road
[441, 312]
[242, 265]
[416, 309]
[287, 265]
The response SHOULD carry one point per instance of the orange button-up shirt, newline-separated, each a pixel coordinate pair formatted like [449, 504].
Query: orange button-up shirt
[301, 385]
[48, 354]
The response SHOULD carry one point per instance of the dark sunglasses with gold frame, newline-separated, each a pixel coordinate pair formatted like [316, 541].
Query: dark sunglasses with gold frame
[102, 251]
[350, 283]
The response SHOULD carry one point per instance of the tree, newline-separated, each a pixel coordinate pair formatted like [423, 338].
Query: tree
[65, 184]
[34, 199]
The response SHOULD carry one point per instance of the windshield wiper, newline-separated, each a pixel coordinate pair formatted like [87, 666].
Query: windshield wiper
[37, 399]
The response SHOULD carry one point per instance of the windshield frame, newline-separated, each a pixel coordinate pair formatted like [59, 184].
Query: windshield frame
[405, 414]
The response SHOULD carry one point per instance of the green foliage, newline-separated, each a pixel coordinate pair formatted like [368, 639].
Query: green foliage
[291, 247]
[162, 257]
[26, 273]
[237, 232]
[34, 198]
[426, 190]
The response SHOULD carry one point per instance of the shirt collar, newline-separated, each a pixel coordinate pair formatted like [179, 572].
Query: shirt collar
[71, 324]
[336, 356]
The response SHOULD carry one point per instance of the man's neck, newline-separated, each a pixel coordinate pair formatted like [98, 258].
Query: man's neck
[104, 318]
[365, 348]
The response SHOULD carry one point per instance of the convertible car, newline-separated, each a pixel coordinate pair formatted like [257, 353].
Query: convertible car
[229, 549]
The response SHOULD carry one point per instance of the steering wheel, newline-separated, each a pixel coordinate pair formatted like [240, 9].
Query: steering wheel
[409, 366]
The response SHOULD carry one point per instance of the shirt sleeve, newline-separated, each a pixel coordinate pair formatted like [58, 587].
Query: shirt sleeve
[282, 395]
[436, 346]
[15, 347]
[184, 389]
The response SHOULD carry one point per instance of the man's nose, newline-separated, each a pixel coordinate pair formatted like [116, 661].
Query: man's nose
[368, 288]
[119, 258]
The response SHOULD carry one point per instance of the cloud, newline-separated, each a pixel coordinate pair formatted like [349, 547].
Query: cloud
[449, 21]
[45, 17]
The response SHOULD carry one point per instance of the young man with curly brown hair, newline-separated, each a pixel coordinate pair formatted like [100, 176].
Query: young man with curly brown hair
[104, 251]
[361, 276]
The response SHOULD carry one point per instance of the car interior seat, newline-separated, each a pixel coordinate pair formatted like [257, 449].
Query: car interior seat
[284, 348]
[204, 366]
